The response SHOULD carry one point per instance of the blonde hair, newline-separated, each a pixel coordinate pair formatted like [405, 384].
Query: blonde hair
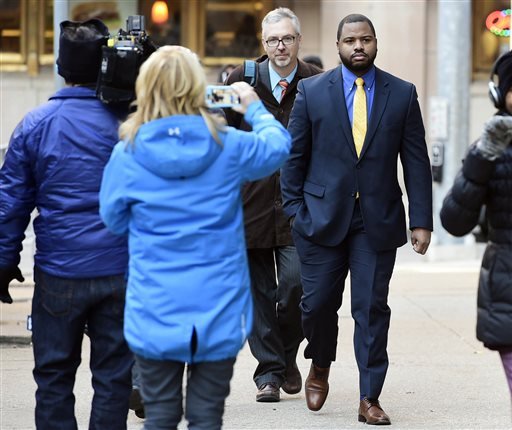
[170, 82]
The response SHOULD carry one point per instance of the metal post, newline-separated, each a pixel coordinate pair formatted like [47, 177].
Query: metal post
[453, 82]
[60, 13]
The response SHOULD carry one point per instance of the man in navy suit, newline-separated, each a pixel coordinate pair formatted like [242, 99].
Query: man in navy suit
[345, 206]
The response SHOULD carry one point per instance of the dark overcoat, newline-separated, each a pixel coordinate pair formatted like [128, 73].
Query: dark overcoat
[480, 182]
[266, 225]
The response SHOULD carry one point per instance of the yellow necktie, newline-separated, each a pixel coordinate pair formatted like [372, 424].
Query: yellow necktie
[359, 116]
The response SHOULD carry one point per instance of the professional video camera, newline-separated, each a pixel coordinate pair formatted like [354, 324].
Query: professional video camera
[121, 60]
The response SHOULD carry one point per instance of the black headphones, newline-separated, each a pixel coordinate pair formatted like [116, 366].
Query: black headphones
[494, 91]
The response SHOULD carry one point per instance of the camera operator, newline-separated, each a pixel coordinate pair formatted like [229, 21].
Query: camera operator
[54, 163]
[277, 334]
[486, 179]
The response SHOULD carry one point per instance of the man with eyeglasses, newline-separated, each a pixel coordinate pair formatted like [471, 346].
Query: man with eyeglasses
[277, 331]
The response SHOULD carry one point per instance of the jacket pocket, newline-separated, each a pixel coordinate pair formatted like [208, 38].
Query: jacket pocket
[314, 189]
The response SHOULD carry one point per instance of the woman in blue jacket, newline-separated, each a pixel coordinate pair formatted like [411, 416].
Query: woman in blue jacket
[173, 185]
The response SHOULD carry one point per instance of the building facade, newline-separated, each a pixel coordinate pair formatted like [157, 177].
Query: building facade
[228, 31]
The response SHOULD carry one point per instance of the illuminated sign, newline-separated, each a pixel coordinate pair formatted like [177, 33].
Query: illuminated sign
[498, 22]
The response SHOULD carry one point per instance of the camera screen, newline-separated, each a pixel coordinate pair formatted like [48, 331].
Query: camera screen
[221, 96]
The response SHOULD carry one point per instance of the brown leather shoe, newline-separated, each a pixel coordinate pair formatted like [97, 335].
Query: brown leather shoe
[370, 412]
[268, 392]
[293, 381]
[317, 387]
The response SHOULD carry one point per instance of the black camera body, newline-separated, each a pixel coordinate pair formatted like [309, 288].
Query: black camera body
[121, 60]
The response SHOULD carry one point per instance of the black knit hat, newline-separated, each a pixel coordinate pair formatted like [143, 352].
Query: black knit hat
[504, 72]
[80, 50]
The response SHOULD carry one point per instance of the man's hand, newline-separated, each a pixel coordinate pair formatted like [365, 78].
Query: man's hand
[6, 276]
[495, 138]
[420, 239]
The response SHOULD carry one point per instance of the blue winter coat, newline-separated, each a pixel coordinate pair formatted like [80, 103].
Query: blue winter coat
[177, 193]
[54, 163]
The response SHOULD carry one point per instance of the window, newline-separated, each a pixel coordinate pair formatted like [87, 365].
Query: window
[11, 34]
[233, 30]
[46, 38]
[163, 20]
[26, 34]
[220, 31]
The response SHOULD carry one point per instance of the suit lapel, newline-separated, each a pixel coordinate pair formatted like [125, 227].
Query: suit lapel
[380, 101]
[339, 106]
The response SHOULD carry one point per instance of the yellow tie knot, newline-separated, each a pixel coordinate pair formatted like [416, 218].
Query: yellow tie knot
[359, 82]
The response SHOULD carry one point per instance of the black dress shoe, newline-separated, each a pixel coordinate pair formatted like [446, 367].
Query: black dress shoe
[370, 412]
[135, 403]
[268, 392]
[293, 381]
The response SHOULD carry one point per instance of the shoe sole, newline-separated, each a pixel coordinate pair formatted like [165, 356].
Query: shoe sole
[362, 419]
[268, 399]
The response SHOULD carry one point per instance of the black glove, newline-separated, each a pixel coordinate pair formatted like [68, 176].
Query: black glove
[495, 138]
[6, 276]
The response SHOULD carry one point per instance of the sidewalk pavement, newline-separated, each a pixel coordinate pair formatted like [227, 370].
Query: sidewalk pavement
[440, 376]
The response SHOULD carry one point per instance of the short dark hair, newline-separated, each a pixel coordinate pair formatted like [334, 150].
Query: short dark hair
[354, 17]
[314, 59]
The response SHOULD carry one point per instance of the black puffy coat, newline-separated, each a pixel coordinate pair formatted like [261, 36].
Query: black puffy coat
[486, 182]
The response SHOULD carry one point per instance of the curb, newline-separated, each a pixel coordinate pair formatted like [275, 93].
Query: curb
[16, 340]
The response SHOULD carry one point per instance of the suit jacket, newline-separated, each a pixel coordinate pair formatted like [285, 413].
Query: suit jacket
[266, 226]
[323, 175]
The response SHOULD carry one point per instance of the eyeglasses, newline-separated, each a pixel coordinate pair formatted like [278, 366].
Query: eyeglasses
[274, 42]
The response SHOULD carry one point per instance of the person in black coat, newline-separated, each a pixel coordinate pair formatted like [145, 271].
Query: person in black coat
[273, 260]
[486, 179]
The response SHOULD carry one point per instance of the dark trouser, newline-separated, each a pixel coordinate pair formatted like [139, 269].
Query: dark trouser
[136, 376]
[277, 332]
[207, 390]
[324, 270]
[60, 310]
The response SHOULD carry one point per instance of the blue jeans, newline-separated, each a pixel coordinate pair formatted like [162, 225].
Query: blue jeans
[162, 393]
[61, 308]
[277, 328]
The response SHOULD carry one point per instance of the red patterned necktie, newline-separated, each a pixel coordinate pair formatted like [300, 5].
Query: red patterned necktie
[283, 83]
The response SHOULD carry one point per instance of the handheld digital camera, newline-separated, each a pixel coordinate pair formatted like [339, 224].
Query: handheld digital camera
[221, 96]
